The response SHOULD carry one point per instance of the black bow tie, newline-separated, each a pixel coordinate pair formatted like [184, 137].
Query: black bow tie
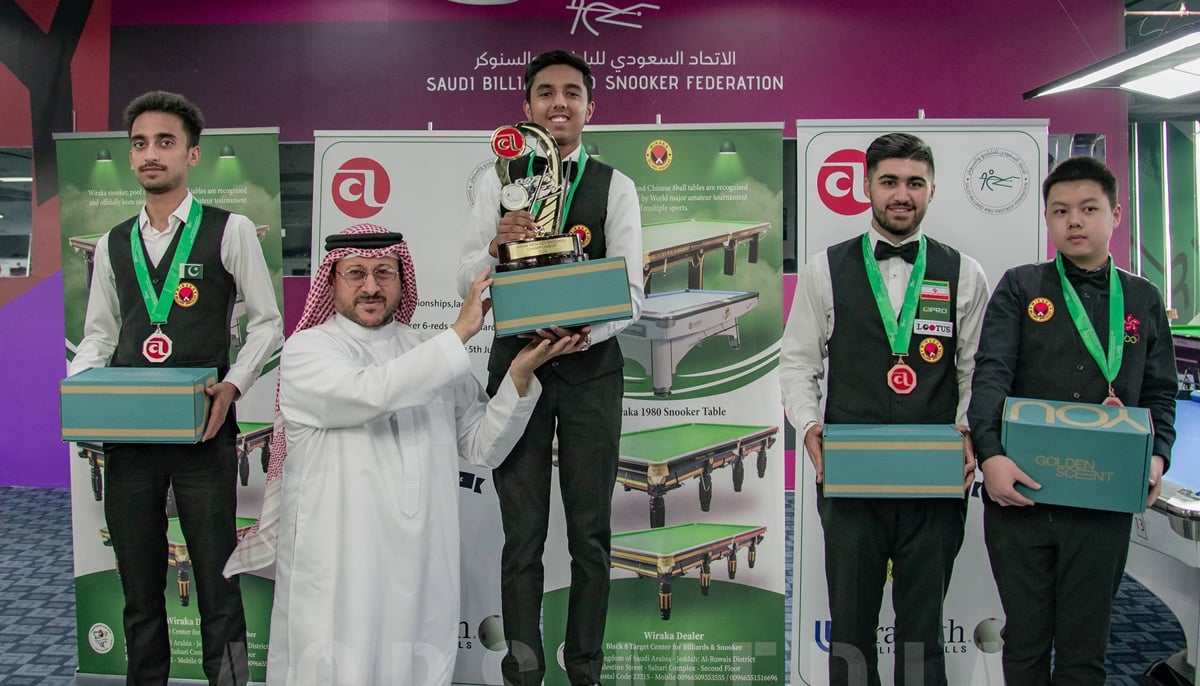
[908, 251]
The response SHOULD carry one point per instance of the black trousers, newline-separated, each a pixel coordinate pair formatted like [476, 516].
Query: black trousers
[204, 478]
[921, 536]
[1057, 570]
[587, 420]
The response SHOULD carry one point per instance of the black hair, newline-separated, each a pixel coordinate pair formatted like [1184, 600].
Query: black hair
[551, 58]
[171, 103]
[904, 146]
[1083, 168]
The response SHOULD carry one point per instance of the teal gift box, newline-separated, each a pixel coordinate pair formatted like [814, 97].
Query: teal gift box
[1083, 455]
[572, 294]
[893, 461]
[136, 404]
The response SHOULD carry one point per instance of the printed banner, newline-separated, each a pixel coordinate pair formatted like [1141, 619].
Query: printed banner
[238, 171]
[987, 204]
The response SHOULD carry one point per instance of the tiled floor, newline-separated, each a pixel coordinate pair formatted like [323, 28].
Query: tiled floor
[37, 601]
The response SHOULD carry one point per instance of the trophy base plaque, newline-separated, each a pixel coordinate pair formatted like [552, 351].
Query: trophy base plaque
[542, 251]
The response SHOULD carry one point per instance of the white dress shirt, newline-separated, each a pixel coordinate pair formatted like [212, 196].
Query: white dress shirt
[241, 255]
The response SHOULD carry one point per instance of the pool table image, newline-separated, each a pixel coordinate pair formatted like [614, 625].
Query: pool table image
[673, 323]
[688, 241]
[177, 552]
[665, 553]
[1165, 555]
[251, 436]
[659, 460]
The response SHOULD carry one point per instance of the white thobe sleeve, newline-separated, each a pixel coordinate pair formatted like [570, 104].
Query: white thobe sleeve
[322, 386]
[488, 429]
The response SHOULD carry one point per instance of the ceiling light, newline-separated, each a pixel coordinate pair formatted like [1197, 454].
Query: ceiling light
[16, 179]
[1170, 51]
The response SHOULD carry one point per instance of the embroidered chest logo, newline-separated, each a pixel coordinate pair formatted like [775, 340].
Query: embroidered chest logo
[931, 350]
[585, 234]
[1132, 329]
[186, 294]
[1040, 310]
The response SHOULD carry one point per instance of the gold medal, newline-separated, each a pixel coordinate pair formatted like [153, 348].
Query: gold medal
[157, 347]
[901, 378]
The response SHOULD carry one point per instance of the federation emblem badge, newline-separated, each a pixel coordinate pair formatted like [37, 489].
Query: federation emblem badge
[659, 155]
[931, 350]
[1040, 310]
[585, 234]
[186, 294]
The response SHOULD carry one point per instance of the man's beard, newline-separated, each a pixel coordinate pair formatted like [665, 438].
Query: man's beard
[898, 230]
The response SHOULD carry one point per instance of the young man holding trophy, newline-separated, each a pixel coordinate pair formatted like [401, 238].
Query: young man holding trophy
[530, 215]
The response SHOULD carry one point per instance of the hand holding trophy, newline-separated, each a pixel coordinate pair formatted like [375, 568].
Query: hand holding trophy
[544, 192]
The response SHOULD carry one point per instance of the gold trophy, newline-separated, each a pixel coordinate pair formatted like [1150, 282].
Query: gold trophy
[542, 194]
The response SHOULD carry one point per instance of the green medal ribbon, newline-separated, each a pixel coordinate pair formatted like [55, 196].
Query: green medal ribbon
[158, 306]
[583, 158]
[1109, 364]
[899, 333]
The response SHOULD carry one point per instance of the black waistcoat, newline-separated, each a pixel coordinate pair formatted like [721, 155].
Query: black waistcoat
[860, 354]
[199, 333]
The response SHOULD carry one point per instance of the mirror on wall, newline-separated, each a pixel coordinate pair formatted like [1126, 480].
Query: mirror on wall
[16, 210]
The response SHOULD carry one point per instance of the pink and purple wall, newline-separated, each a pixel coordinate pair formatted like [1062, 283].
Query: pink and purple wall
[304, 65]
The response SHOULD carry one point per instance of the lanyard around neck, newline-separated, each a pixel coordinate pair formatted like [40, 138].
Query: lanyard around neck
[898, 332]
[158, 306]
[1109, 364]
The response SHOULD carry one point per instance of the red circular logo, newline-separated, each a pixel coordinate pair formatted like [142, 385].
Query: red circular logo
[1040, 310]
[361, 187]
[156, 348]
[902, 379]
[840, 181]
[508, 142]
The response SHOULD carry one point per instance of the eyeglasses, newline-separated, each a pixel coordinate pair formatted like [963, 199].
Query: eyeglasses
[355, 276]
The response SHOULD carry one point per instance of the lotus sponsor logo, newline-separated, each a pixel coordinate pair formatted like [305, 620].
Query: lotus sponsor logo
[605, 13]
[996, 181]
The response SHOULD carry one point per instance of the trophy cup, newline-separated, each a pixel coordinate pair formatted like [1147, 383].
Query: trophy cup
[542, 194]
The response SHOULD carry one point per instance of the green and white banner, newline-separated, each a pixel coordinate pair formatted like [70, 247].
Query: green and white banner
[238, 171]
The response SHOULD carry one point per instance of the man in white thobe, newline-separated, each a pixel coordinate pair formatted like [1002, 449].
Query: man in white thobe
[376, 417]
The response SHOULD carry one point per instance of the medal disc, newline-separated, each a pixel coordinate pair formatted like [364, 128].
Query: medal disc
[514, 197]
[157, 347]
[901, 378]
[1113, 401]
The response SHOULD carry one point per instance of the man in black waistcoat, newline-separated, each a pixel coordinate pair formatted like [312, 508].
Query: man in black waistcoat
[914, 369]
[1057, 568]
[581, 398]
[162, 296]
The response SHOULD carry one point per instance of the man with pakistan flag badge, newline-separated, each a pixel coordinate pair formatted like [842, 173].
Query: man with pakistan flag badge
[162, 296]
[895, 316]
